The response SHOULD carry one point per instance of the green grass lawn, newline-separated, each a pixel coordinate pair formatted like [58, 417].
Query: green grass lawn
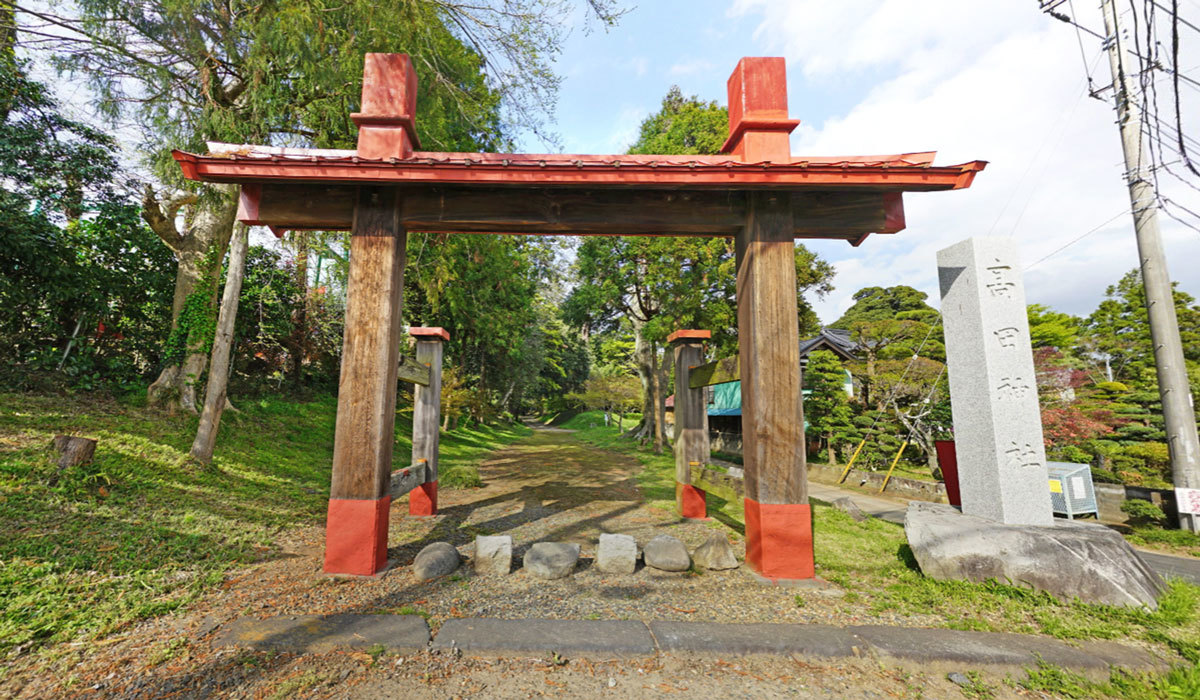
[873, 563]
[142, 530]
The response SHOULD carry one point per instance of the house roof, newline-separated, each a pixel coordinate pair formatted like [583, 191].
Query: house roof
[835, 340]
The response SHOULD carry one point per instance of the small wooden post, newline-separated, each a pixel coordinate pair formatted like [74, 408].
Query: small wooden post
[691, 422]
[778, 516]
[357, 525]
[427, 411]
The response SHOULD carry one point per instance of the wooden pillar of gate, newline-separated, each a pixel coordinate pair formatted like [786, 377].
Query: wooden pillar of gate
[778, 516]
[691, 422]
[357, 524]
[427, 415]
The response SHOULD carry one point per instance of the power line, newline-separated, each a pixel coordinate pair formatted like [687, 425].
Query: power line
[1078, 239]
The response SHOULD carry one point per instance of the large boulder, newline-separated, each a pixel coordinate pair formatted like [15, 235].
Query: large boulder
[716, 554]
[1069, 559]
[551, 560]
[617, 554]
[667, 553]
[437, 559]
[493, 555]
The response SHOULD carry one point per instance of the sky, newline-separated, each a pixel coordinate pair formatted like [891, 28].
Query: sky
[996, 81]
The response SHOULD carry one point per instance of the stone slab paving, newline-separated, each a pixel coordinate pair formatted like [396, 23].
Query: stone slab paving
[602, 638]
[926, 646]
[738, 639]
[609, 639]
[322, 633]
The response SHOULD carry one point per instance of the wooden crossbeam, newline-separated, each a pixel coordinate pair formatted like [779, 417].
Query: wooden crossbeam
[405, 480]
[474, 209]
[726, 369]
[718, 483]
[409, 370]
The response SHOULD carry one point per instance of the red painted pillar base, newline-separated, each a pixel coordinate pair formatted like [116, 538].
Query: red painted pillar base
[423, 499]
[779, 543]
[356, 533]
[691, 502]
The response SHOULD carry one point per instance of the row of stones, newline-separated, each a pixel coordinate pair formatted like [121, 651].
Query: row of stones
[615, 554]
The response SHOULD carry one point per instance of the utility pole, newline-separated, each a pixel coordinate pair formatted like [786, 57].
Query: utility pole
[1178, 411]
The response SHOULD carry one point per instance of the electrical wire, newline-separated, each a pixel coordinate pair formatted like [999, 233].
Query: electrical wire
[1076, 240]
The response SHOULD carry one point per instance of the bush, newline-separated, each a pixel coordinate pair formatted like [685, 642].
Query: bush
[1143, 512]
[1071, 453]
[1104, 476]
[1155, 458]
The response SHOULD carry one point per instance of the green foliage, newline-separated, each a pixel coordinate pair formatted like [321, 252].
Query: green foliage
[886, 303]
[827, 407]
[489, 293]
[47, 160]
[78, 267]
[1052, 329]
[1143, 512]
[609, 390]
[683, 126]
[1119, 330]
[194, 329]
[1182, 681]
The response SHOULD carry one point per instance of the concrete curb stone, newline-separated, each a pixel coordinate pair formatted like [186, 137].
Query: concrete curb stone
[322, 633]
[606, 639]
[755, 638]
[602, 638]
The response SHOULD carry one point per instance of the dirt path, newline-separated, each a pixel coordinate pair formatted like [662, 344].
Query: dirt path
[549, 486]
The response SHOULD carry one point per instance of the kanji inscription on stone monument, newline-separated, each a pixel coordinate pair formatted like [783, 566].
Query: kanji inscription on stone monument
[997, 423]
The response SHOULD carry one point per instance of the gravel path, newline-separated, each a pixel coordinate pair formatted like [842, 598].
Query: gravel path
[549, 486]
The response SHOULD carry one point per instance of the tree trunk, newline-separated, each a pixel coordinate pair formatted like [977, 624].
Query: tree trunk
[832, 453]
[74, 450]
[643, 358]
[198, 252]
[662, 379]
[8, 51]
[218, 375]
[299, 339]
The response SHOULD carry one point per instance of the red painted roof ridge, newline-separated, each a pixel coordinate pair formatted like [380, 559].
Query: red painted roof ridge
[227, 150]
[919, 175]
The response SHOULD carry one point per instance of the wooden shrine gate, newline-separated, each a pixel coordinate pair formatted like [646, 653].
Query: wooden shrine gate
[757, 193]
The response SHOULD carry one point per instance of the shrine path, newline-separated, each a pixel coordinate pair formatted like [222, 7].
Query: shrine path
[548, 486]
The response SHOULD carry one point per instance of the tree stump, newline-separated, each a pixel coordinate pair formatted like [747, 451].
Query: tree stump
[74, 450]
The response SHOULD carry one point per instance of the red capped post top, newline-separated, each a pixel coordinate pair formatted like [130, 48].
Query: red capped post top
[389, 105]
[429, 332]
[685, 335]
[758, 111]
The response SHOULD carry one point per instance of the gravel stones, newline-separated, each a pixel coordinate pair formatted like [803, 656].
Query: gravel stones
[667, 553]
[716, 554]
[551, 560]
[617, 554]
[437, 559]
[493, 555]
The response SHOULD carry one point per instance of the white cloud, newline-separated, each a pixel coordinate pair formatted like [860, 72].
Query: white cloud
[690, 67]
[992, 81]
[628, 125]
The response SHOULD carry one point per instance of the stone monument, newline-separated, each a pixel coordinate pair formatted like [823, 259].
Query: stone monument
[997, 422]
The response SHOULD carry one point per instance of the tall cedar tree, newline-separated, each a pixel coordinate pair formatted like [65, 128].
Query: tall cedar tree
[191, 71]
